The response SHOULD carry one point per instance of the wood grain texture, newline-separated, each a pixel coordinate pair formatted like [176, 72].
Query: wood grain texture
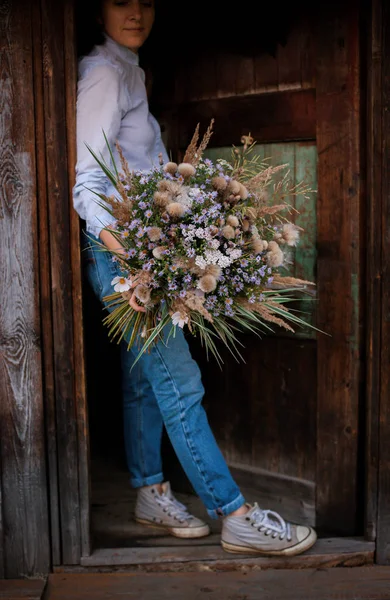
[282, 116]
[383, 523]
[45, 292]
[365, 583]
[338, 265]
[326, 552]
[25, 535]
[61, 275]
[374, 266]
[80, 391]
[20, 589]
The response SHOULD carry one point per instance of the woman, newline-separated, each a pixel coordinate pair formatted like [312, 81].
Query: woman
[165, 386]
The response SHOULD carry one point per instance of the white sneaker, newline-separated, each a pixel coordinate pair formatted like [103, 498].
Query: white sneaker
[164, 511]
[265, 532]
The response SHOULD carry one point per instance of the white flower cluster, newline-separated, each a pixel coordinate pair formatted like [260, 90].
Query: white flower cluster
[215, 257]
[199, 232]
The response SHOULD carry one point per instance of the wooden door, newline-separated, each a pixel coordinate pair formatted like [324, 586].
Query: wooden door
[288, 421]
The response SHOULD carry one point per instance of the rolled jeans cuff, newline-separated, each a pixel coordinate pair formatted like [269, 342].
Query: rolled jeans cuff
[152, 480]
[223, 511]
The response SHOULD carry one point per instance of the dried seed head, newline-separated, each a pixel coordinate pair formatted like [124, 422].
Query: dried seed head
[207, 283]
[214, 270]
[219, 184]
[142, 293]
[228, 232]
[158, 252]
[186, 170]
[234, 187]
[243, 192]
[161, 199]
[257, 245]
[246, 225]
[290, 234]
[171, 168]
[233, 221]
[176, 210]
[154, 234]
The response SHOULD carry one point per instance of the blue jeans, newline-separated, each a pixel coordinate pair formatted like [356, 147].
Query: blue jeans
[165, 388]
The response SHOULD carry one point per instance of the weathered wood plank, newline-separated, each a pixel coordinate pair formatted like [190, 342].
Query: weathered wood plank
[23, 477]
[45, 291]
[383, 523]
[350, 584]
[61, 275]
[374, 266]
[281, 116]
[326, 552]
[22, 589]
[338, 265]
[80, 389]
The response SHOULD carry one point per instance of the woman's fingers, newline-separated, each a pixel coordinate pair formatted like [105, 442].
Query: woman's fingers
[134, 304]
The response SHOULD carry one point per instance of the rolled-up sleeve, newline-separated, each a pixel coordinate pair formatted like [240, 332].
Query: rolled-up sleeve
[99, 110]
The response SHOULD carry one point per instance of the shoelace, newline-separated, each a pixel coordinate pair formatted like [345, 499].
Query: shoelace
[173, 507]
[271, 522]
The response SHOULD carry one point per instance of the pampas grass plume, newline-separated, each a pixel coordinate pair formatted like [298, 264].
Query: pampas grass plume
[228, 232]
[171, 168]
[233, 221]
[186, 170]
[207, 283]
[176, 210]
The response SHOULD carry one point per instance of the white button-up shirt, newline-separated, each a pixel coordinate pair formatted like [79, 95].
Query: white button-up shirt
[111, 97]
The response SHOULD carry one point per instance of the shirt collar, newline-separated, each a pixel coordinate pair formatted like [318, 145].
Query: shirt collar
[121, 51]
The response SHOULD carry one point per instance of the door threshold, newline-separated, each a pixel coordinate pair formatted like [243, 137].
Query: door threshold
[327, 552]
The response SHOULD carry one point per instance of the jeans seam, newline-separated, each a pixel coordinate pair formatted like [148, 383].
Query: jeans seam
[186, 437]
[139, 426]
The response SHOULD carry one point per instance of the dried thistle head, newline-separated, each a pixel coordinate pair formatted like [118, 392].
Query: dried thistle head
[186, 170]
[161, 199]
[219, 184]
[154, 234]
[170, 167]
[176, 210]
[207, 283]
[142, 293]
[233, 221]
[228, 232]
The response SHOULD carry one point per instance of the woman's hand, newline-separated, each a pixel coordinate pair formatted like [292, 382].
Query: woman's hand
[112, 243]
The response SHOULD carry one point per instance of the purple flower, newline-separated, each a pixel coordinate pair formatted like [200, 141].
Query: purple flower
[190, 252]
[182, 293]
[148, 214]
[131, 253]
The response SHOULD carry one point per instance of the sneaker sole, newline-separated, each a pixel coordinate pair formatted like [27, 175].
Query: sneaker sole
[180, 532]
[292, 551]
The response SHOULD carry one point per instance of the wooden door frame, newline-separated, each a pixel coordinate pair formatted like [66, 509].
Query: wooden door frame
[377, 517]
[339, 162]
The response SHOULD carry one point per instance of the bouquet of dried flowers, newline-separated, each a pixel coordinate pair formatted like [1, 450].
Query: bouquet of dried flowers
[204, 248]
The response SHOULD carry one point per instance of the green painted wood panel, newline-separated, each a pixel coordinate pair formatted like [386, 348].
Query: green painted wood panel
[302, 160]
